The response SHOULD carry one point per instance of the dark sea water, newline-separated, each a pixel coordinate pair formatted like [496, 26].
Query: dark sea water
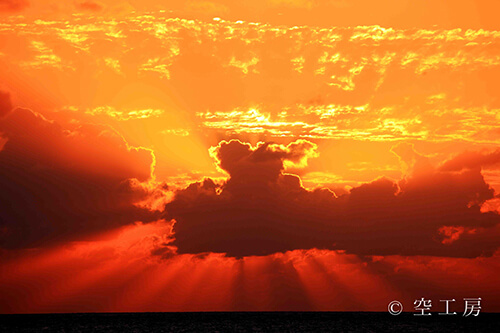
[247, 322]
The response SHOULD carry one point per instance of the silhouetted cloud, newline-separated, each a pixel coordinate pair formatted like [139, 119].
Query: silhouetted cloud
[65, 184]
[5, 103]
[473, 159]
[261, 209]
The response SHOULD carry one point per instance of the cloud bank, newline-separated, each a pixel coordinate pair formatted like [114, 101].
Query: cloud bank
[65, 184]
[262, 210]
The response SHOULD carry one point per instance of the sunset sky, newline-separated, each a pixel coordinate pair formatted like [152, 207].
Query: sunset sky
[225, 155]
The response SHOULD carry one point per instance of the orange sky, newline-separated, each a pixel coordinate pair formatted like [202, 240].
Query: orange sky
[264, 155]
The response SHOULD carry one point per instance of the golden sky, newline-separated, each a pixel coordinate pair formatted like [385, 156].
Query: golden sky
[263, 155]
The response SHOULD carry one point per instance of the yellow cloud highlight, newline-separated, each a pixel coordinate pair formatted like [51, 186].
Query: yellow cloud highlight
[176, 131]
[114, 64]
[244, 65]
[123, 115]
[44, 57]
[251, 121]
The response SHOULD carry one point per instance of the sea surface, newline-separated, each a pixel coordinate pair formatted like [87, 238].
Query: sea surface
[247, 322]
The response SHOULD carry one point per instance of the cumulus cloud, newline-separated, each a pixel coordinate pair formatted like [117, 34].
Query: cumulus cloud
[64, 184]
[260, 210]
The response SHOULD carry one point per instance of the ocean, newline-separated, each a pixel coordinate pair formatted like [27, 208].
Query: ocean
[247, 322]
